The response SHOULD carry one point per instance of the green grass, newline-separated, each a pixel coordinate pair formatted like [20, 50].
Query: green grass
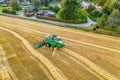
[0, 9]
[56, 3]
[3, 8]
[26, 6]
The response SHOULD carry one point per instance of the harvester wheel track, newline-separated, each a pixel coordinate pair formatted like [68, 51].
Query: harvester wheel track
[100, 71]
[105, 74]
[52, 69]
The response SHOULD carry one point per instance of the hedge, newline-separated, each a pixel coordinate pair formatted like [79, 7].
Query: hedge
[29, 14]
[8, 11]
[59, 20]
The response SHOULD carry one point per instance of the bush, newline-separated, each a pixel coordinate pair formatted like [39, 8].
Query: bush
[12, 12]
[4, 5]
[94, 19]
[56, 9]
[50, 8]
[8, 11]
[59, 20]
[95, 13]
[44, 8]
[91, 8]
[14, 5]
[29, 14]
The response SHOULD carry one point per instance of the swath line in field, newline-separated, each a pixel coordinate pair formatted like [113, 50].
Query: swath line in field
[100, 71]
[53, 70]
[72, 40]
[7, 64]
[105, 74]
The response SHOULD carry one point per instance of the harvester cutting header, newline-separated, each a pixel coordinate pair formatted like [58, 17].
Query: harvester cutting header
[50, 41]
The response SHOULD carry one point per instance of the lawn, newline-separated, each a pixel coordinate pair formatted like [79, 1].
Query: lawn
[0, 9]
[26, 6]
[3, 8]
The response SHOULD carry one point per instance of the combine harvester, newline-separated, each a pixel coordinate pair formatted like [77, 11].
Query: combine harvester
[52, 41]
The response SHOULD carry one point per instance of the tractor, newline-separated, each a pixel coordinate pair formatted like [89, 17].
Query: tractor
[50, 41]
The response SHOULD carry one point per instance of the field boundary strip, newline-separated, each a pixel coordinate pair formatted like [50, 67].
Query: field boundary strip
[82, 32]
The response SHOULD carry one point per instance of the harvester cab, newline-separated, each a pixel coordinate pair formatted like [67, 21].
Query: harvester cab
[50, 41]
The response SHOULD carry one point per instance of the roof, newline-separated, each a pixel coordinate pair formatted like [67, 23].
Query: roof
[98, 7]
[83, 3]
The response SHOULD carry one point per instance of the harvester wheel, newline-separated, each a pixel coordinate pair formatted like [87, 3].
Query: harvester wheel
[48, 45]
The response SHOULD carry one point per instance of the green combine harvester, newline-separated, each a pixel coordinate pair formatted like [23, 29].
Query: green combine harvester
[50, 41]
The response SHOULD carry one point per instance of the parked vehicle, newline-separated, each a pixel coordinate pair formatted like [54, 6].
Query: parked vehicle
[29, 10]
[39, 14]
[52, 15]
[46, 14]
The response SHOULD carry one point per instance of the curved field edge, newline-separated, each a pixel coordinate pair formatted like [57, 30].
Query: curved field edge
[52, 69]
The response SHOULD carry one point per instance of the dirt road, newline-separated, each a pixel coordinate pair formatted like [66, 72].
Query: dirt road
[100, 50]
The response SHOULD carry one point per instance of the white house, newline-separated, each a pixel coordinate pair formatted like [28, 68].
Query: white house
[84, 4]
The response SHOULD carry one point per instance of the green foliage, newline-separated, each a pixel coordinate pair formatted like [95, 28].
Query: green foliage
[29, 14]
[114, 19]
[45, 3]
[14, 5]
[102, 21]
[91, 8]
[71, 11]
[50, 7]
[8, 11]
[44, 8]
[109, 6]
[66, 21]
[36, 4]
[101, 2]
[56, 9]
[95, 13]
[3, 5]
[94, 19]
[106, 9]
[117, 5]
[82, 15]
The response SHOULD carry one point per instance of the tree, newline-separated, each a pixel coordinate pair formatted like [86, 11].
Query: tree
[91, 8]
[114, 20]
[107, 9]
[36, 4]
[50, 7]
[102, 21]
[45, 2]
[14, 5]
[95, 13]
[56, 9]
[101, 2]
[117, 5]
[70, 10]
